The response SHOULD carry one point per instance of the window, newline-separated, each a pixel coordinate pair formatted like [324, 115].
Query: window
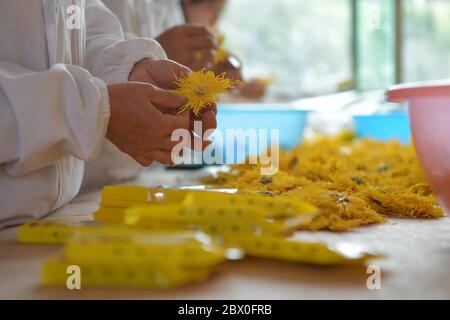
[375, 43]
[313, 47]
[305, 45]
[426, 40]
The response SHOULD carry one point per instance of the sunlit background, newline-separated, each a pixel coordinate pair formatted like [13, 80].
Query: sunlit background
[326, 46]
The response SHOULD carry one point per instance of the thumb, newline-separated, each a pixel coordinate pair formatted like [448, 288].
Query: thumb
[165, 100]
[180, 70]
[168, 71]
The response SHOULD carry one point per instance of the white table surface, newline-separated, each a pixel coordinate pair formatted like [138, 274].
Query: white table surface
[417, 266]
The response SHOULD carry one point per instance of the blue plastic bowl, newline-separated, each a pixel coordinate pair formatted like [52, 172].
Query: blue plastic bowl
[289, 122]
[384, 127]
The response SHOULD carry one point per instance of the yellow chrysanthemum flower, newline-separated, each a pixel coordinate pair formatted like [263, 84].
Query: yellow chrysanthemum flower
[202, 88]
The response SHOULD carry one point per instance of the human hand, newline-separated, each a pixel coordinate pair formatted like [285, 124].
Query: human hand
[232, 67]
[253, 89]
[160, 73]
[138, 127]
[192, 45]
[143, 118]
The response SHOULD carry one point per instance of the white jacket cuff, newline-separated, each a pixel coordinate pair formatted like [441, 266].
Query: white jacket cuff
[104, 112]
[118, 60]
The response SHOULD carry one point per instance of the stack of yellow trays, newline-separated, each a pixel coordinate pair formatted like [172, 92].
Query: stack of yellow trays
[116, 199]
[135, 259]
[256, 241]
[220, 214]
[260, 226]
[204, 210]
[163, 238]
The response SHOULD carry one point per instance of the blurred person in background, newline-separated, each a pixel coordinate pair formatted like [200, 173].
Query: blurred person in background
[185, 29]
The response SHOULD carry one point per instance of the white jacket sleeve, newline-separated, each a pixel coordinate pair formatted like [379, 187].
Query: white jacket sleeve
[45, 116]
[127, 12]
[108, 56]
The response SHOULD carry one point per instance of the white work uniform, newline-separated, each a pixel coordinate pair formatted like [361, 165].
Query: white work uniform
[147, 18]
[139, 18]
[53, 112]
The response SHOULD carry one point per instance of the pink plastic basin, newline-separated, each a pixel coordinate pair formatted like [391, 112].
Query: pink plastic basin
[429, 111]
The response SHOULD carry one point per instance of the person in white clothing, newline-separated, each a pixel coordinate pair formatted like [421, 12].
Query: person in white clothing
[191, 44]
[182, 27]
[62, 90]
[149, 19]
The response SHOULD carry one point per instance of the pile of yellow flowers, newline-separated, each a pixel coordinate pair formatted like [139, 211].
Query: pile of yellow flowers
[354, 182]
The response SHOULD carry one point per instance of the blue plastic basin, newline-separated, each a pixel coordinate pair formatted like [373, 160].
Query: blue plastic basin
[384, 126]
[289, 122]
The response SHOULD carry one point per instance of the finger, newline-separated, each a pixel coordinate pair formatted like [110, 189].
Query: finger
[197, 130]
[209, 122]
[233, 73]
[178, 69]
[167, 143]
[207, 115]
[212, 107]
[161, 156]
[204, 56]
[202, 42]
[143, 161]
[197, 65]
[236, 75]
[165, 72]
[253, 90]
[164, 99]
[174, 122]
[193, 29]
[199, 143]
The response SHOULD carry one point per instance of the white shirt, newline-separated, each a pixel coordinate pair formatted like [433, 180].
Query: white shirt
[147, 18]
[53, 112]
[139, 18]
